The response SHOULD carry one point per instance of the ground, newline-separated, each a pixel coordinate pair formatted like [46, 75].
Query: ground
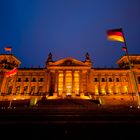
[70, 119]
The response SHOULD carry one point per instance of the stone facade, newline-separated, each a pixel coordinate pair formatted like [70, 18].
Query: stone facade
[69, 78]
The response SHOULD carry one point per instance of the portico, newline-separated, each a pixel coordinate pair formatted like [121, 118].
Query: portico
[69, 77]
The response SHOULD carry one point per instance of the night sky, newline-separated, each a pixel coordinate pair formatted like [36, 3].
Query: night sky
[68, 28]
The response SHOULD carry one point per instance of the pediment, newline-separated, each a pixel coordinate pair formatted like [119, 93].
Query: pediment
[68, 62]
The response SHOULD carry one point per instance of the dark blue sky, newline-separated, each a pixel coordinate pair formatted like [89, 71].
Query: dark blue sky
[68, 28]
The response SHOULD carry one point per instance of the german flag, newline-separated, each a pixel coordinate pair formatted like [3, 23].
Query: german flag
[11, 72]
[115, 35]
[8, 48]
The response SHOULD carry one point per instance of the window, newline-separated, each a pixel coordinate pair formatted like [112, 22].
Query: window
[10, 90]
[95, 79]
[124, 79]
[117, 80]
[26, 80]
[25, 89]
[139, 80]
[40, 79]
[103, 79]
[19, 80]
[32, 90]
[40, 89]
[33, 79]
[68, 83]
[110, 80]
[17, 89]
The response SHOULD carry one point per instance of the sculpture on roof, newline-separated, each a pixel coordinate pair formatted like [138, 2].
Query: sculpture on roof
[49, 59]
[87, 57]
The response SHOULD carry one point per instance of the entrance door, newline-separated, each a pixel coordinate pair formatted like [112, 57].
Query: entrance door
[68, 83]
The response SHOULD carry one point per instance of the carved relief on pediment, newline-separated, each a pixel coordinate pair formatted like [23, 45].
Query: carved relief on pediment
[68, 63]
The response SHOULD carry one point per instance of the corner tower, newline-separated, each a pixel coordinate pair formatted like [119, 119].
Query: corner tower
[7, 63]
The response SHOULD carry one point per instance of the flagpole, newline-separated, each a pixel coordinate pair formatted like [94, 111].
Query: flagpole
[132, 73]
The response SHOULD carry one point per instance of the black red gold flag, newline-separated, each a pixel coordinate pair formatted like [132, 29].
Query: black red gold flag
[115, 35]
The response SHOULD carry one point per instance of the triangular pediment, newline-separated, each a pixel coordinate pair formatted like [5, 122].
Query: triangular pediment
[68, 62]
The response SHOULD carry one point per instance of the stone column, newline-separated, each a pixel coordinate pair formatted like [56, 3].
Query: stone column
[88, 82]
[99, 84]
[4, 85]
[86, 78]
[37, 85]
[22, 86]
[56, 84]
[64, 83]
[81, 83]
[14, 85]
[107, 84]
[114, 85]
[73, 87]
[106, 87]
[121, 83]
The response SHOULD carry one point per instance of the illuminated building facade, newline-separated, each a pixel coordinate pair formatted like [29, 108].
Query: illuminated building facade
[69, 77]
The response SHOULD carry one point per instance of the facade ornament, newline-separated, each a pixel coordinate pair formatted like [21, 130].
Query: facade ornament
[87, 57]
[49, 59]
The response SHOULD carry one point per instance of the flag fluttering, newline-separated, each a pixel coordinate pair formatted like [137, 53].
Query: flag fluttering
[11, 72]
[8, 48]
[115, 35]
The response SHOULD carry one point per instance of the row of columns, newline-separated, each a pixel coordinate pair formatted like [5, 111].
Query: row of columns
[57, 72]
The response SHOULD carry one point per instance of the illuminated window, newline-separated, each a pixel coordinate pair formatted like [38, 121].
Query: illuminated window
[124, 79]
[25, 89]
[103, 91]
[110, 90]
[17, 89]
[96, 90]
[40, 89]
[32, 90]
[117, 89]
[125, 89]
